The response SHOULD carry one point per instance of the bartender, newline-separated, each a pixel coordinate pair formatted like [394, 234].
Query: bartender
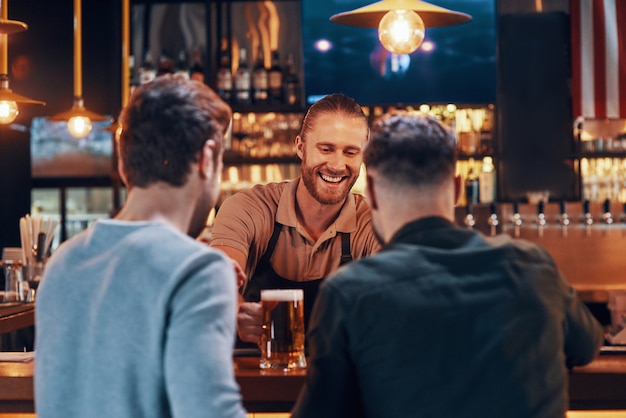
[291, 235]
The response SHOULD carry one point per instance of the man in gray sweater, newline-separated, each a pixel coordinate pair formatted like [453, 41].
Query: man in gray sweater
[135, 318]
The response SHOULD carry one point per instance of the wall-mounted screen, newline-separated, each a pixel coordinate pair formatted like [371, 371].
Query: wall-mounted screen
[454, 64]
[55, 153]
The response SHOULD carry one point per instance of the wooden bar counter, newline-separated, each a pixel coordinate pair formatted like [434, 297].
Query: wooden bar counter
[14, 316]
[599, 385]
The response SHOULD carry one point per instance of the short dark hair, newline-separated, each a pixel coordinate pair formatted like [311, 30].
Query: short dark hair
[165, 126]
[333, 103]
[411, 148]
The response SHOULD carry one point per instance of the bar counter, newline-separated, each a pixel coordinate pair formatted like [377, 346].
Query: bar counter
[599, 385]
[14, 316]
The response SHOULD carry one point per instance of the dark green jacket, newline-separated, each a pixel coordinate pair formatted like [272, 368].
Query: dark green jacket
[445, 322]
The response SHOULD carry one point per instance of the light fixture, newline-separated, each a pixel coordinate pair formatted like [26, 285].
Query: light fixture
[401, 24]
[78, 118]
[9, 100]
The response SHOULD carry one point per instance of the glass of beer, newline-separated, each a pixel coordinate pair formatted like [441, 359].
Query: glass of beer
[282, 337]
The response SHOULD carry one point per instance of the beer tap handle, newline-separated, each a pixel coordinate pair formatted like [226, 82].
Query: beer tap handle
[587, 212]
[588, 218]
[541, 217]
[607, 217]
[469, 217]
[493, 219]
[564, 217]
[517, 219]
[622, 219]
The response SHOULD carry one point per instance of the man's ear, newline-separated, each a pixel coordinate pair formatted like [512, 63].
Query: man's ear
[206, 164]
[299, 146]
[121, 169]
[370, 192]
[458, 181]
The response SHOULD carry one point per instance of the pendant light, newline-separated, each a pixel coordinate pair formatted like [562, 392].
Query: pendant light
[9, 100]
[401, 24]
[78, 118]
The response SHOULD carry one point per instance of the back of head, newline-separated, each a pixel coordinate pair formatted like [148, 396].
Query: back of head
[411, 149]
[165, 126]
[336, 103]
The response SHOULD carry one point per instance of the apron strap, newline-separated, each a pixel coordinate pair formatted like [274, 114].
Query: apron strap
[346, 257]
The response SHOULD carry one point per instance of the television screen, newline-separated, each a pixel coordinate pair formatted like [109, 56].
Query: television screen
[55, 153]
[454, 64]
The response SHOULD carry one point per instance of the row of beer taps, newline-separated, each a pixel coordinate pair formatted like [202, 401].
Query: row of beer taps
[564, 220]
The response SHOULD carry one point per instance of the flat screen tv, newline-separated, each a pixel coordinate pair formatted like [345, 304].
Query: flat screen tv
[455, 64]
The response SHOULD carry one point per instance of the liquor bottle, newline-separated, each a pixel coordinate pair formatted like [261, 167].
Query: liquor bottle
[224, 78]
[196, 72]
[259, 80]
[291, 83]
[242, 79]
[147, 72]
[275, 80]
[182, 65]
[487, 180]
[472, 185]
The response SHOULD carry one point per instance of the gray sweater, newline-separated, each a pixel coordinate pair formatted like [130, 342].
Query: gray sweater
[135, 319]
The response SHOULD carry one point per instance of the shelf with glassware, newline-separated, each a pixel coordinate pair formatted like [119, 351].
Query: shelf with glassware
[602, 158]
[473, 125]
[262, 148]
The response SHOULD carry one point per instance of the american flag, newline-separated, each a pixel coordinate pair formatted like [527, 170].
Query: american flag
[599, 58]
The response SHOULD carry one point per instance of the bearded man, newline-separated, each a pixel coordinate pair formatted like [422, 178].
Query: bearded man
[293, 234]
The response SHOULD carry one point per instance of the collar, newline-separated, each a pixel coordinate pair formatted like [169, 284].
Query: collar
[418, 230]
[286, 211]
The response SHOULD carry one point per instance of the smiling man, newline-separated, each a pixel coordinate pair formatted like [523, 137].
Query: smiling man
[293, 234]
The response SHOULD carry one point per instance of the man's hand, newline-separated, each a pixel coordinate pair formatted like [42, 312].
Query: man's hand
[249, 320]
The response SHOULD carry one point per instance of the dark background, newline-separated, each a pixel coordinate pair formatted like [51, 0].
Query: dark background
[41, 62]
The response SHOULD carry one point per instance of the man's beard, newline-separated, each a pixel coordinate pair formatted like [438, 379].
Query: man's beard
[309, 178]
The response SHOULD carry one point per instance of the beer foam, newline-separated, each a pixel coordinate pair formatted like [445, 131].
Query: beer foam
[282, 295]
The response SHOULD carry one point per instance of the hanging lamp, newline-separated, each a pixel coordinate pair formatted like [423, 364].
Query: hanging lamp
[8, 99]
[79, 119]
[401, 24]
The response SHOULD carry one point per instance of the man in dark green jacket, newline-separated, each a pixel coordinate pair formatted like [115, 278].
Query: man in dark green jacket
[443, 321]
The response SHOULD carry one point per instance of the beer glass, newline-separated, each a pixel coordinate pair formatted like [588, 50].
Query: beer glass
[282, 336]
